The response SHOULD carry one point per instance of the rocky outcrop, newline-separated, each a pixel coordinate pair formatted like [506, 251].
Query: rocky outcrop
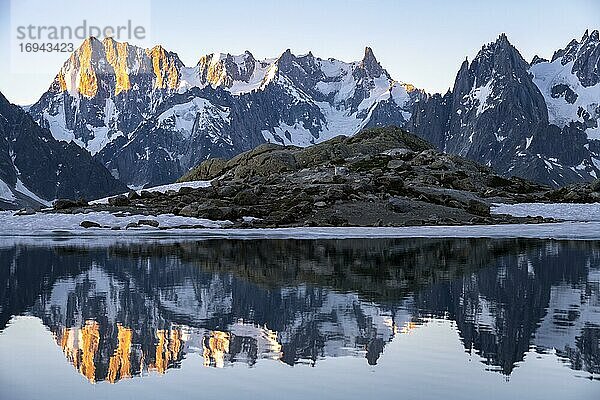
[576, 193]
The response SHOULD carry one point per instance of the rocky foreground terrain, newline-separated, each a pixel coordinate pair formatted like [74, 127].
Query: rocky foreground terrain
[380, 177]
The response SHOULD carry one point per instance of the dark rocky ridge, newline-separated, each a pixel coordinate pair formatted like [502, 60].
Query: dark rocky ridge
[380, 177]
[48, 168]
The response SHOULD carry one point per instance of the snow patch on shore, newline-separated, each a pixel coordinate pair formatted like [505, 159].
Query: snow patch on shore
[562, 211]
[41, 224]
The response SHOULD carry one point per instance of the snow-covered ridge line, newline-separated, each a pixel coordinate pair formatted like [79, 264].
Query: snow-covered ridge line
[342, 97]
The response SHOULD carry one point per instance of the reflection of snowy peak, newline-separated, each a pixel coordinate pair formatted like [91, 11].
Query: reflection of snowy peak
[148, 118]
[206, 313]
[140, 307]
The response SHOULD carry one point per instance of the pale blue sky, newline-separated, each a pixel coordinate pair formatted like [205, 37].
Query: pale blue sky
[421, 42]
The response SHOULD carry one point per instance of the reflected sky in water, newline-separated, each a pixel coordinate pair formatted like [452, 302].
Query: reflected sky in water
[341, 318]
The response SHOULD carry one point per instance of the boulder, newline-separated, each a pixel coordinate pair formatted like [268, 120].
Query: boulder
[63, 204]
[133, 195]
[149, 222]
[478, 208]
[119, 201]
[191, 210]
[89, 224]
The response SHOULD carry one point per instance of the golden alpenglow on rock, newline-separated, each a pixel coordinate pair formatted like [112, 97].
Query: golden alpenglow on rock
[214, 70]
[90, 338]
[61, 80]
[80, 346]
[165, 71]
[116, 54]
[119, 366]
[409, 87]
[87, 81]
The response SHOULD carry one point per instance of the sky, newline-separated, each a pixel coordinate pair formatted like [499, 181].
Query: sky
[418, 42]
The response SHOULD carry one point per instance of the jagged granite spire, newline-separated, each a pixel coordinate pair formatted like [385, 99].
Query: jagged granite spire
[370, 63]
[497, 116]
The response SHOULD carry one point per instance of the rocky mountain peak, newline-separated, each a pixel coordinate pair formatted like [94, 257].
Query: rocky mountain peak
[109, 64]
[225, 69]
[585, 56]
[371, 65]
[166, 66]
[590, 37]
[285, 58]
[302, 70]
[568, 53]
[499, 59]
[537, 59]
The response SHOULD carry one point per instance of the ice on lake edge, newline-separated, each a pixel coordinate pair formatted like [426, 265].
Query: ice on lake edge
[583, 223]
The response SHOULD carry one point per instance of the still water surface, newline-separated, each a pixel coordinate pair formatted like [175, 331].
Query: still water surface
[417, 318]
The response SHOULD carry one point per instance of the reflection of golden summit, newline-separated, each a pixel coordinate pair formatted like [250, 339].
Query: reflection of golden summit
[214, 348]
[123, 355]
[168, 349]
[408, 327]
[80, 346]
[119, 365]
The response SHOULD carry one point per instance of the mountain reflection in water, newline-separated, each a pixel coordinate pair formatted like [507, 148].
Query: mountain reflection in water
[127, 309]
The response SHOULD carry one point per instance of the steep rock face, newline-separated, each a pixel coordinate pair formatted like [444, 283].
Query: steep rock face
[105, 90]
[149, 119]
[430, 119]
[35, 168]
[502, 112]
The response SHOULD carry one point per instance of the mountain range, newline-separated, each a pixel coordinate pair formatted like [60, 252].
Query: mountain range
[149, 119]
